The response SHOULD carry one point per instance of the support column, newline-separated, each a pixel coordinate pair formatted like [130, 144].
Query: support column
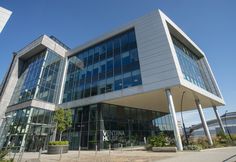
[204, 124]
[219, 119]
[174, 120]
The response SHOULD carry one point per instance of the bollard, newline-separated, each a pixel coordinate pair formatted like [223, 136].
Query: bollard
[79, 153]
[132, 146]
[96, 148]
[40, 152]
[109, 149]
[61, 153]
[121, 147]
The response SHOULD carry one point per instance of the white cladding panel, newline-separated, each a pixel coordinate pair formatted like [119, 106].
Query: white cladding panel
[4, 16]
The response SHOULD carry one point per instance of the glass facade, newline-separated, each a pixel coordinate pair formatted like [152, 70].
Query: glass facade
[30, 80]
[192, 68]
[108, 66]
[105, 124]
[50, 80]
[33, 125]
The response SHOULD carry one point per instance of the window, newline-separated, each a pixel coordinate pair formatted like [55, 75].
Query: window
[118, 84]
[110, 65]
[117, 46]
[190, 66]
[109, 49]
[109, 68]
[30, 77]
[117, 65]
[124, 43]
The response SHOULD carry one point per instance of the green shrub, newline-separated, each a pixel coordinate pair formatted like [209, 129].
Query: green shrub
[233, 137]
[203, 142]
[11, 160]
[222, 137]
[3, 153]
[159, 141]
[193, 147]
[58, 143]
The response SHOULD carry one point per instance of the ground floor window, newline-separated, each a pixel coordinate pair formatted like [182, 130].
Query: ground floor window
[105, 124]
[29, 128]
[94, 125]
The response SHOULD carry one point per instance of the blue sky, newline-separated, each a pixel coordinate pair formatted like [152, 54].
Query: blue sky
[210, 23]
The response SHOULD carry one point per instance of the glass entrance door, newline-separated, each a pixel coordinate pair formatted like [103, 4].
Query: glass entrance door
[35, 142]
[38, 137]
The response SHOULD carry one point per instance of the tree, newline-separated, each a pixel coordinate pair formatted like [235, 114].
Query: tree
[63, 119]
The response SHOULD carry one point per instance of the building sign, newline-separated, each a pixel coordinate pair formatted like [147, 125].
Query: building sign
[112, 135]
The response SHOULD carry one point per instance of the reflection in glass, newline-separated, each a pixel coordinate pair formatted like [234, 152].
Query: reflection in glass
[108, 66]
[105, 124]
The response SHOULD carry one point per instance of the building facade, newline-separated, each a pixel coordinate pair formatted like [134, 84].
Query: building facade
[121, 87]
[228, 121]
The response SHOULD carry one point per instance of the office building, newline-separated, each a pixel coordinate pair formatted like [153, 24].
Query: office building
[122, 87]
[228, 121]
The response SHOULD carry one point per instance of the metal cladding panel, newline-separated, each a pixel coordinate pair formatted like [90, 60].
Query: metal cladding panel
[4, 17]
[155, 56]
[11, 79]
[157, 66]
[172, 29]
[9, 87]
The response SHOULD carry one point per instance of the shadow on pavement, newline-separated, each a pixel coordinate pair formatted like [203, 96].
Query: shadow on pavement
[231, 157]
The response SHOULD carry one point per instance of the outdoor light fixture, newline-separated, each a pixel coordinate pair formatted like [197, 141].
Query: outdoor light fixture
[227, 126]
[185, 133]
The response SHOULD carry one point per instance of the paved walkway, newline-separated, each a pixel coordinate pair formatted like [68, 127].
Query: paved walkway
[211, 155]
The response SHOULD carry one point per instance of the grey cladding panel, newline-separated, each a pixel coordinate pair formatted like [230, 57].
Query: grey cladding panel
[156, 60]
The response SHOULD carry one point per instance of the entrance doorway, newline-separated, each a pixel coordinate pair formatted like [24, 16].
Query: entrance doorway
[38, 137]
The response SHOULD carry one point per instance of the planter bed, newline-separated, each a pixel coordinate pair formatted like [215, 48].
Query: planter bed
[56, 149]
[164, 149]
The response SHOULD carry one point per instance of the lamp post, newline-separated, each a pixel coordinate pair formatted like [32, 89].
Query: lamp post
[227, 126]
[185, 133]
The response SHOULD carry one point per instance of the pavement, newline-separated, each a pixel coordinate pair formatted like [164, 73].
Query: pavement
[227, 154]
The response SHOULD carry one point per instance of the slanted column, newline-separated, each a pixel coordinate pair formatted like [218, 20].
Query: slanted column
[204, 124]
[219, 119]
[63, 81]
[174, 120]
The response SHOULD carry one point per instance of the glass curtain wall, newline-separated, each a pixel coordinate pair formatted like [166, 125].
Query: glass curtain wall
[191, 67]
[105, 124]
[51, 65]
[108, 66]
[50, 80]
[33, 125]
[28, 79]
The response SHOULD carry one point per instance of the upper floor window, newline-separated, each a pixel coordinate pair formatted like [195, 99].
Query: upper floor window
[110, 65]
[191, 67]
